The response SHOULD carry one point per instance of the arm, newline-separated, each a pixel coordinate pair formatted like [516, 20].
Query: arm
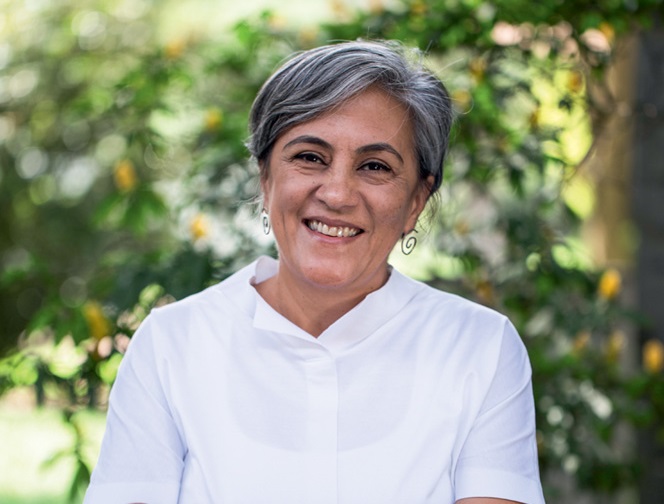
[142, 452]
[498, 461]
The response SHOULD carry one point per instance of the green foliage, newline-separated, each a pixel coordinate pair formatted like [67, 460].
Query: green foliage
[82, 472]
[125, 184]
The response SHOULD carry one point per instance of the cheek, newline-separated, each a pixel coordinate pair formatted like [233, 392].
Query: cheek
[392, 221]
[396, 206]
[397, 218]
[284, 198]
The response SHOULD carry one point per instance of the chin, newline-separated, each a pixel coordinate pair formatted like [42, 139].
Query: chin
[335, 277]
[327, 279]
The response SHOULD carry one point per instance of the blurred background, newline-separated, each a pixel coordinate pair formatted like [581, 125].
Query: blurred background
[125, 184]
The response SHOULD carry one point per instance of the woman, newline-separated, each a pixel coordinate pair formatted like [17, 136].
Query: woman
[328, 377]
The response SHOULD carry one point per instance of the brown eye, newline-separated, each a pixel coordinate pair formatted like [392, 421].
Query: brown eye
[309, 157]
[375, 166]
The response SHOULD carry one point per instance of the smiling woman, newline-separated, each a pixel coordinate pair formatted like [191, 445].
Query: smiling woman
[340, 190]
[326, 376]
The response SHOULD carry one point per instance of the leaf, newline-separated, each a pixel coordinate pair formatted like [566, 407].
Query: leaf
[111, 210]
[79, 482]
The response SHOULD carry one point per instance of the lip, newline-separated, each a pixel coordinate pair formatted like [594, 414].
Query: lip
[333, 223]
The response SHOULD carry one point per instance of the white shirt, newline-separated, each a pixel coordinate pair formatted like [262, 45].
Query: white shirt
[414, 396]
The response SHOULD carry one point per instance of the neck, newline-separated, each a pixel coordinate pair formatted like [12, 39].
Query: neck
[312, 308]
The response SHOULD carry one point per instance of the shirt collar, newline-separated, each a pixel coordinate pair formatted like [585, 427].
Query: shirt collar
[374, 311]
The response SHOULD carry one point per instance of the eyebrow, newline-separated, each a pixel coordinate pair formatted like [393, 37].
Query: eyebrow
[375, 147]
[310, 140]
[379, 147]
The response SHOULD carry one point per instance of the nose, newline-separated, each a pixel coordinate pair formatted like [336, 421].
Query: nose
[338, 188]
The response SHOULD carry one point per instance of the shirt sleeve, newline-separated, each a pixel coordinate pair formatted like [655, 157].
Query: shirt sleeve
[499, 457]
[142, 452]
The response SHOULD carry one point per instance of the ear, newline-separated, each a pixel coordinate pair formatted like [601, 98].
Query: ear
[420, 199]
[265, 184]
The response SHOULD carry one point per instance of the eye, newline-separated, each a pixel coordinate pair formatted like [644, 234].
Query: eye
[309, 157]
[375, 166]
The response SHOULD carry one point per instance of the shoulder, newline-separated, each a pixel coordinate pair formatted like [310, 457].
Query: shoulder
[452, 308]
[462, 328]
[200, 317]
[231, 295]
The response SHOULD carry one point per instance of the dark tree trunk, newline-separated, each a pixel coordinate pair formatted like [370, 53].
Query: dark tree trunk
[648, 214]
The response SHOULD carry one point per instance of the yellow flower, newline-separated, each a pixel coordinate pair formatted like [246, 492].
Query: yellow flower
[575, 81]
[485, 292]
[308, 36]
[461, 227]
[213, 119]
[610, 284]
[478, 69]
[339, 8]
[462, 99]
[199, 227]
[277, 22]
[608, 32]
[653, 356]
[580, 343]
[615, 345]
[98, 324]
[175, 48]
[535, 118]
[418, 8]
[376, 6]
[124, 175]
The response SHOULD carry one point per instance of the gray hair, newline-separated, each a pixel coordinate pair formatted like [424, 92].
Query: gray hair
[314, 82]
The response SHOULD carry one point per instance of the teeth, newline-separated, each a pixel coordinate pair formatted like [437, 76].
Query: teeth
[339, 232]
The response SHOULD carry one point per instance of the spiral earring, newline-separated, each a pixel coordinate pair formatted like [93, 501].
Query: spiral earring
[265, 219]
[408, 242]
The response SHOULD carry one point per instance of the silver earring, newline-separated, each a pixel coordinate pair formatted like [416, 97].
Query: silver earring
[408, 242]
[265, 219]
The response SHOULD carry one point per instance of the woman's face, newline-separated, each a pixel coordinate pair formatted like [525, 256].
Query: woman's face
[340, 191]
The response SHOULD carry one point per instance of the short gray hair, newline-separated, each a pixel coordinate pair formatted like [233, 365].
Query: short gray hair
[315, 81]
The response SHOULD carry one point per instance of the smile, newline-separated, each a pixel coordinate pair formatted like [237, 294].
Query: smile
[337, 231]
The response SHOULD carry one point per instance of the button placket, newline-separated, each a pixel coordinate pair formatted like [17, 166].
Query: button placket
[323, 399]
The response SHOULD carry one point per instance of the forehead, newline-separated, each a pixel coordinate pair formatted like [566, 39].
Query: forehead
[370, 116]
